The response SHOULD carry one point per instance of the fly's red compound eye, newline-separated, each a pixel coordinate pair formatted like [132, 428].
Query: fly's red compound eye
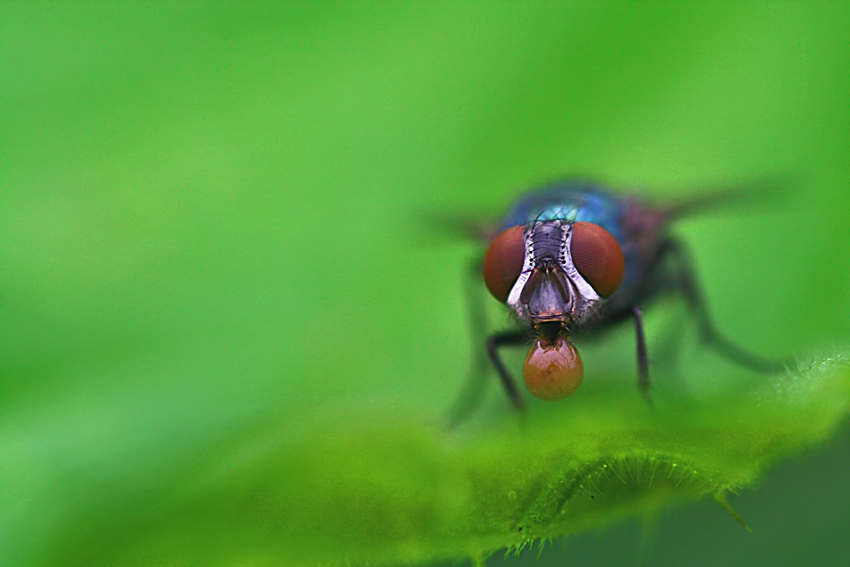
[552, 371]
[598, 257]
[503, 262]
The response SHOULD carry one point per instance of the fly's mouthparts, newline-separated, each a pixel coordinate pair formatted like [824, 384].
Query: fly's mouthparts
[551, 330]
[551, 299]
[557, 318]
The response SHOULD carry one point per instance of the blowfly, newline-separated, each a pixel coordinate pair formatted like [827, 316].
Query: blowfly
[573, 258]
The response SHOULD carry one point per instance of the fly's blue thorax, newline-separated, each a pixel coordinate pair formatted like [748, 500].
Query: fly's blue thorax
[571, 201]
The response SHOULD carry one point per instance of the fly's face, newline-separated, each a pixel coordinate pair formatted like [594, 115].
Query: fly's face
[549, 288]
[554, 271]
[553, 274]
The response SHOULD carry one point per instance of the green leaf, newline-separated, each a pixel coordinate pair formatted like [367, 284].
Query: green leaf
[363, 486]
[223, 342]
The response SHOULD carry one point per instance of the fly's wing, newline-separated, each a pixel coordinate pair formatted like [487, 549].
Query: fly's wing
[644, 220]
[644, 223]
[760, 194]
[438, 225]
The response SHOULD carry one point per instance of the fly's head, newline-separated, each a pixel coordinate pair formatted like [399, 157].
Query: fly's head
[553, 271]
[553, 274]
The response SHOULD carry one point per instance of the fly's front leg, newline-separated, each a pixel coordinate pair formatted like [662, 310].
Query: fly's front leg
[493, 344]
[686, 282]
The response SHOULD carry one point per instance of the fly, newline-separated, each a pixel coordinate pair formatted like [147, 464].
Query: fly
[574, 258]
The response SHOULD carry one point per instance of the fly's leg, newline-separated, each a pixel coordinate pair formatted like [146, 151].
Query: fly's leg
[642, 357]
[493, 344]
[473, 392]
[709, 335]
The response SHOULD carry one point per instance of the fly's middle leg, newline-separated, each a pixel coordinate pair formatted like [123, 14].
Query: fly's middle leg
[686, 282]
[472, 395]
[642, 357]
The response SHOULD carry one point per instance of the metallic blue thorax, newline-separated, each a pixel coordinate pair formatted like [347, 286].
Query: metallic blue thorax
[581, 201]
[573, 201]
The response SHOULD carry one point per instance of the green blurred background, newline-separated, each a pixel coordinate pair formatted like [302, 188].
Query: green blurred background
[211, 214]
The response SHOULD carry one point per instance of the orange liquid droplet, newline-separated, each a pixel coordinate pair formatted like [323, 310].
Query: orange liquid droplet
[552, 371]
